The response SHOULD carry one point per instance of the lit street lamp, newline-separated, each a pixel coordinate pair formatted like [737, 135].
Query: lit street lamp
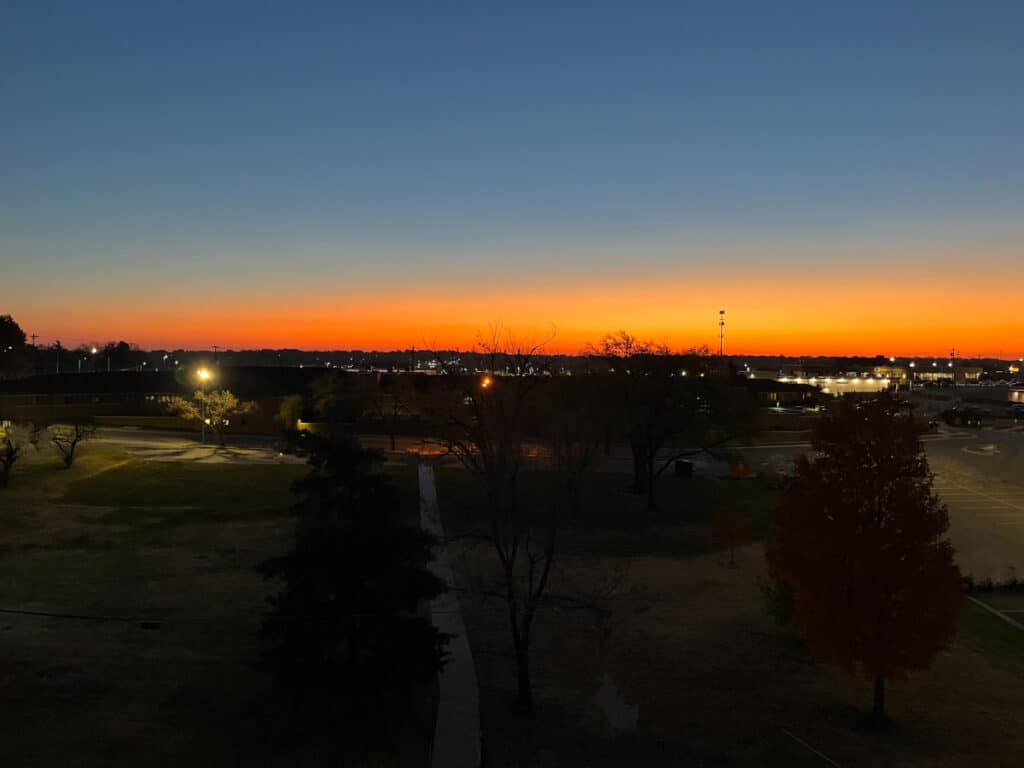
[204, 376]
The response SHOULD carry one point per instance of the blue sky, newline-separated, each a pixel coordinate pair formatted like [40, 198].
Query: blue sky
[381, 139]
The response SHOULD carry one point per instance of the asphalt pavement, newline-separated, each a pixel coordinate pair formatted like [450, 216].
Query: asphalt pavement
[160, 445]
[981, 480]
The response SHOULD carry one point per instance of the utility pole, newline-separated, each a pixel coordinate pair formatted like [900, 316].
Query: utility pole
[721, 333]
[35, 354]
[215, 348]
[952, 364]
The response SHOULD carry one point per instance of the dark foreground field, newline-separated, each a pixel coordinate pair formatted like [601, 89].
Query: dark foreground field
[654, 652]
[151, 567]
[657, 652]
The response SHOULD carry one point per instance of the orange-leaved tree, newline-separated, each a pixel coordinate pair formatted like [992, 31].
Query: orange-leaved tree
[860, 537]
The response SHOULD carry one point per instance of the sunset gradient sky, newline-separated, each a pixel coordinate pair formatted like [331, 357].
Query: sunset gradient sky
[841, 178]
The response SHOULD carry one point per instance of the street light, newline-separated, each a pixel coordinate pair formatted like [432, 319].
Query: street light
[204, 376]
[485, 382]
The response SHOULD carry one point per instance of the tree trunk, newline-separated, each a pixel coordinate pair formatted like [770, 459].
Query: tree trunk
[572, 494]
[878, 710]
[523, 677]
[639, 468]
[652, 501]
[520, 643]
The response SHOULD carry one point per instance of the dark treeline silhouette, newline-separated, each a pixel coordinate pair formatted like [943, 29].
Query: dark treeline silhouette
[19, 358]
[15, 354]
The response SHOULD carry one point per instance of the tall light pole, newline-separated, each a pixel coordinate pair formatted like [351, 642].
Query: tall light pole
[721, 333]
[204, 376]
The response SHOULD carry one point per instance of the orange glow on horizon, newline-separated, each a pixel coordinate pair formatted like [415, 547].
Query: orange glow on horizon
[900, 313]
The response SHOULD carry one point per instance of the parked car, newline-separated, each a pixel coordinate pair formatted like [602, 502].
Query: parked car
[962, 417]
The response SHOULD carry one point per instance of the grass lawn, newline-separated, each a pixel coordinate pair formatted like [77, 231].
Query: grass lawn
[122, 538]
[138, 483]
[671, 633]
[43, 470]
[1000, 643]
[614, 521]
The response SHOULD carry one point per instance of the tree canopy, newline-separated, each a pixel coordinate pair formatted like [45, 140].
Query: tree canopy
[14, 353]
[860, 537]
[350, 647]
[216, 409]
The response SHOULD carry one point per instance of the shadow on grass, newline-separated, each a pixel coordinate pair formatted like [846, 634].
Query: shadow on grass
[1000, 643]
[614, 521]
[139, 483]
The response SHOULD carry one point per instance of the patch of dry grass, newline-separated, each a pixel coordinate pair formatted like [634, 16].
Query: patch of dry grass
[688, 642]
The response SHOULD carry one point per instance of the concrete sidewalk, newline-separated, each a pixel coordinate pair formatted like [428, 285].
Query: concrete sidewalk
[457, 727]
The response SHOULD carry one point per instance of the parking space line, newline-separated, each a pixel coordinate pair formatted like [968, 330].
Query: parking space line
[993, 499]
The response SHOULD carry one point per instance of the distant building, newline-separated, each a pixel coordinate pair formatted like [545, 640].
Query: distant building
[938, 373]
[895, 373]
[843, 384]
[771, 392]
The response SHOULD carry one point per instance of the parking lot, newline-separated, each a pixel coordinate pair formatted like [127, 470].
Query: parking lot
[986, 522]
[981, 481]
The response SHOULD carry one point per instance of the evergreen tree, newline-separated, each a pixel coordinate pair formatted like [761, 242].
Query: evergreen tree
[351, 648]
